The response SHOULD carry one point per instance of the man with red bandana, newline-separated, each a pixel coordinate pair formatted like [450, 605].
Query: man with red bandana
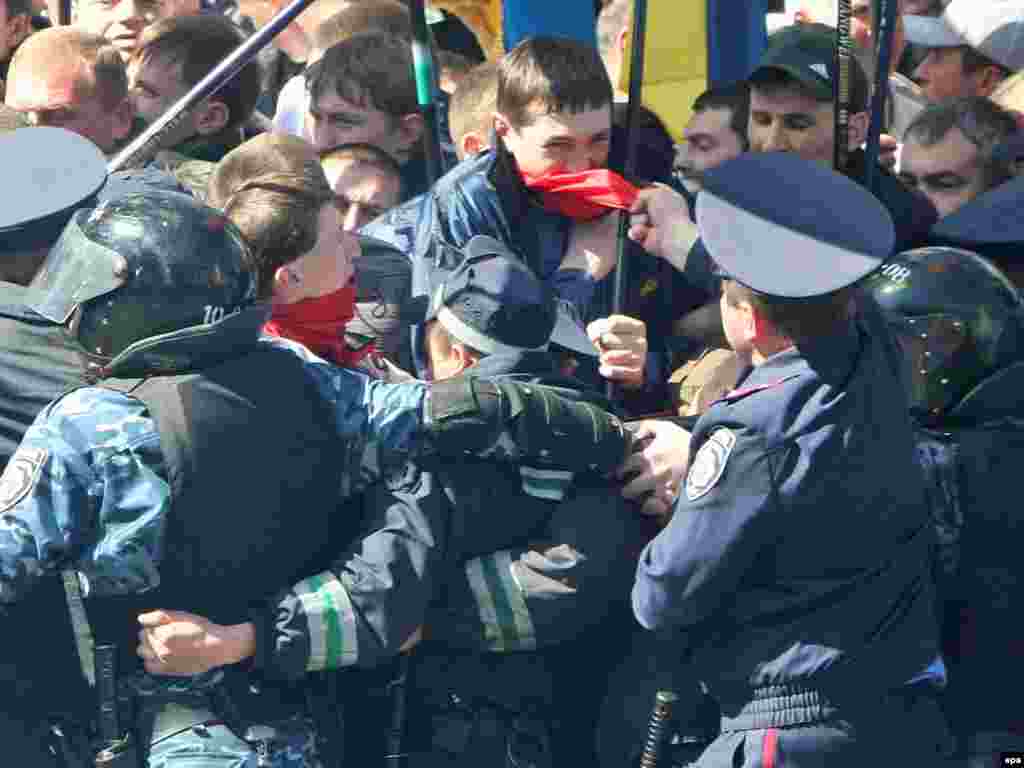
[542, 190]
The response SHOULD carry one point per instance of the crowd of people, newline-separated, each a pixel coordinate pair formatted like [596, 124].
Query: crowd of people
[313, 459]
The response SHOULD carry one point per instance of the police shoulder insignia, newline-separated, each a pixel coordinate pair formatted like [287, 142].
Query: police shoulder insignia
[20, 476]
[709, 463]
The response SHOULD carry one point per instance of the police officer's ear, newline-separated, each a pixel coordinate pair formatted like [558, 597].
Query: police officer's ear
[465, 356]
[211, 117]
[859, 129]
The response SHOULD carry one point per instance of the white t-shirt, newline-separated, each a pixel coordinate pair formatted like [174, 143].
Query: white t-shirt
[292, 105]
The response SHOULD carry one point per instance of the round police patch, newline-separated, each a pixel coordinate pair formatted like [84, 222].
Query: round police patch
[20, 476]
[709, 463]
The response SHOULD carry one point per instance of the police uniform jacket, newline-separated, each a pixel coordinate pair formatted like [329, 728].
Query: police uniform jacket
[465, 525]
[38, 364]
[797, 557]
[972, 465]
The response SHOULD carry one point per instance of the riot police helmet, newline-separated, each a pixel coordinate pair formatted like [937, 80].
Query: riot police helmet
[149, 283]
[957, 318]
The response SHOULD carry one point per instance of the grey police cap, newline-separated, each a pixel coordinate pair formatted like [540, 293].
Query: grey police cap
[788, 227]
[493, 302]
[48, 172]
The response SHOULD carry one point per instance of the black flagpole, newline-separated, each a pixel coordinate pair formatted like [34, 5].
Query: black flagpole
[841, 86]
[885, 32]
[636, 82]
[147, 144]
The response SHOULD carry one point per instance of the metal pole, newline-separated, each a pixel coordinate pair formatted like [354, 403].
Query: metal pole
[841, 86]
[147, 144]
[636, 82]
[885, 32]
[423, 71]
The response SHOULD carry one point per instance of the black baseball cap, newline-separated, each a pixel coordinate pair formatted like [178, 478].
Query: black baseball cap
[805, 52]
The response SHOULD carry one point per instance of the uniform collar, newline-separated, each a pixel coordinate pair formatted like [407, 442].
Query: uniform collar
[524, 363]
[12, 304]
[833, 359]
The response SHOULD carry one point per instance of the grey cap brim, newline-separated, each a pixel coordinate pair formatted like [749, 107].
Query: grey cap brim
[931, 32]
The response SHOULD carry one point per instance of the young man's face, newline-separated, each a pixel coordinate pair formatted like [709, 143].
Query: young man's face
[941, 76]
[362, 191]
[333, 121]
[62, 96]
[947, 173]
[710, 140]
[567, 142]
[326, 268]
[785, 120]
[120, 21]
[154, 85]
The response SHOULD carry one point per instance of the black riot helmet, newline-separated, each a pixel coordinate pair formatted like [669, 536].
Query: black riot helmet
[957, 318]
[151, 283]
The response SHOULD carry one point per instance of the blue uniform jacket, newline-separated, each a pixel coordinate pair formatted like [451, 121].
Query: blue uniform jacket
[511, 573]
[799, 548]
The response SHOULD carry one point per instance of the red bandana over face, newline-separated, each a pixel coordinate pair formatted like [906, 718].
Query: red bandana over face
[583, 195]
[319, 324]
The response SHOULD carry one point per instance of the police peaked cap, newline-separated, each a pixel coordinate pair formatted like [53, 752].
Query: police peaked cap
[49, 173]
[787, 227]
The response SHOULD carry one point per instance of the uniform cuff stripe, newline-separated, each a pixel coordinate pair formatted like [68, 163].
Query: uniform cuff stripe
[333, 642]
[502, 607]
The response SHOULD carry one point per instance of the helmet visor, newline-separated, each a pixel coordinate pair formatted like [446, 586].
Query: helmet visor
[931, 345]
[75, 271]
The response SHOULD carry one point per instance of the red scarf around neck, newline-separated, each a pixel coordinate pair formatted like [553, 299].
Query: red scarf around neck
[319, 324]
[583, 195]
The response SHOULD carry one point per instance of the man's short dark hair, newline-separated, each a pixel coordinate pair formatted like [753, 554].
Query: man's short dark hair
[772, 80]
[736, 98]
[17, 8]
[198, 44]
[982, 122]
[797, 319]
[369, 70]
[557, 74]
[390, 17]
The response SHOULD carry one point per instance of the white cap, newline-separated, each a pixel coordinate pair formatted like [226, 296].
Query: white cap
[994, 28]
